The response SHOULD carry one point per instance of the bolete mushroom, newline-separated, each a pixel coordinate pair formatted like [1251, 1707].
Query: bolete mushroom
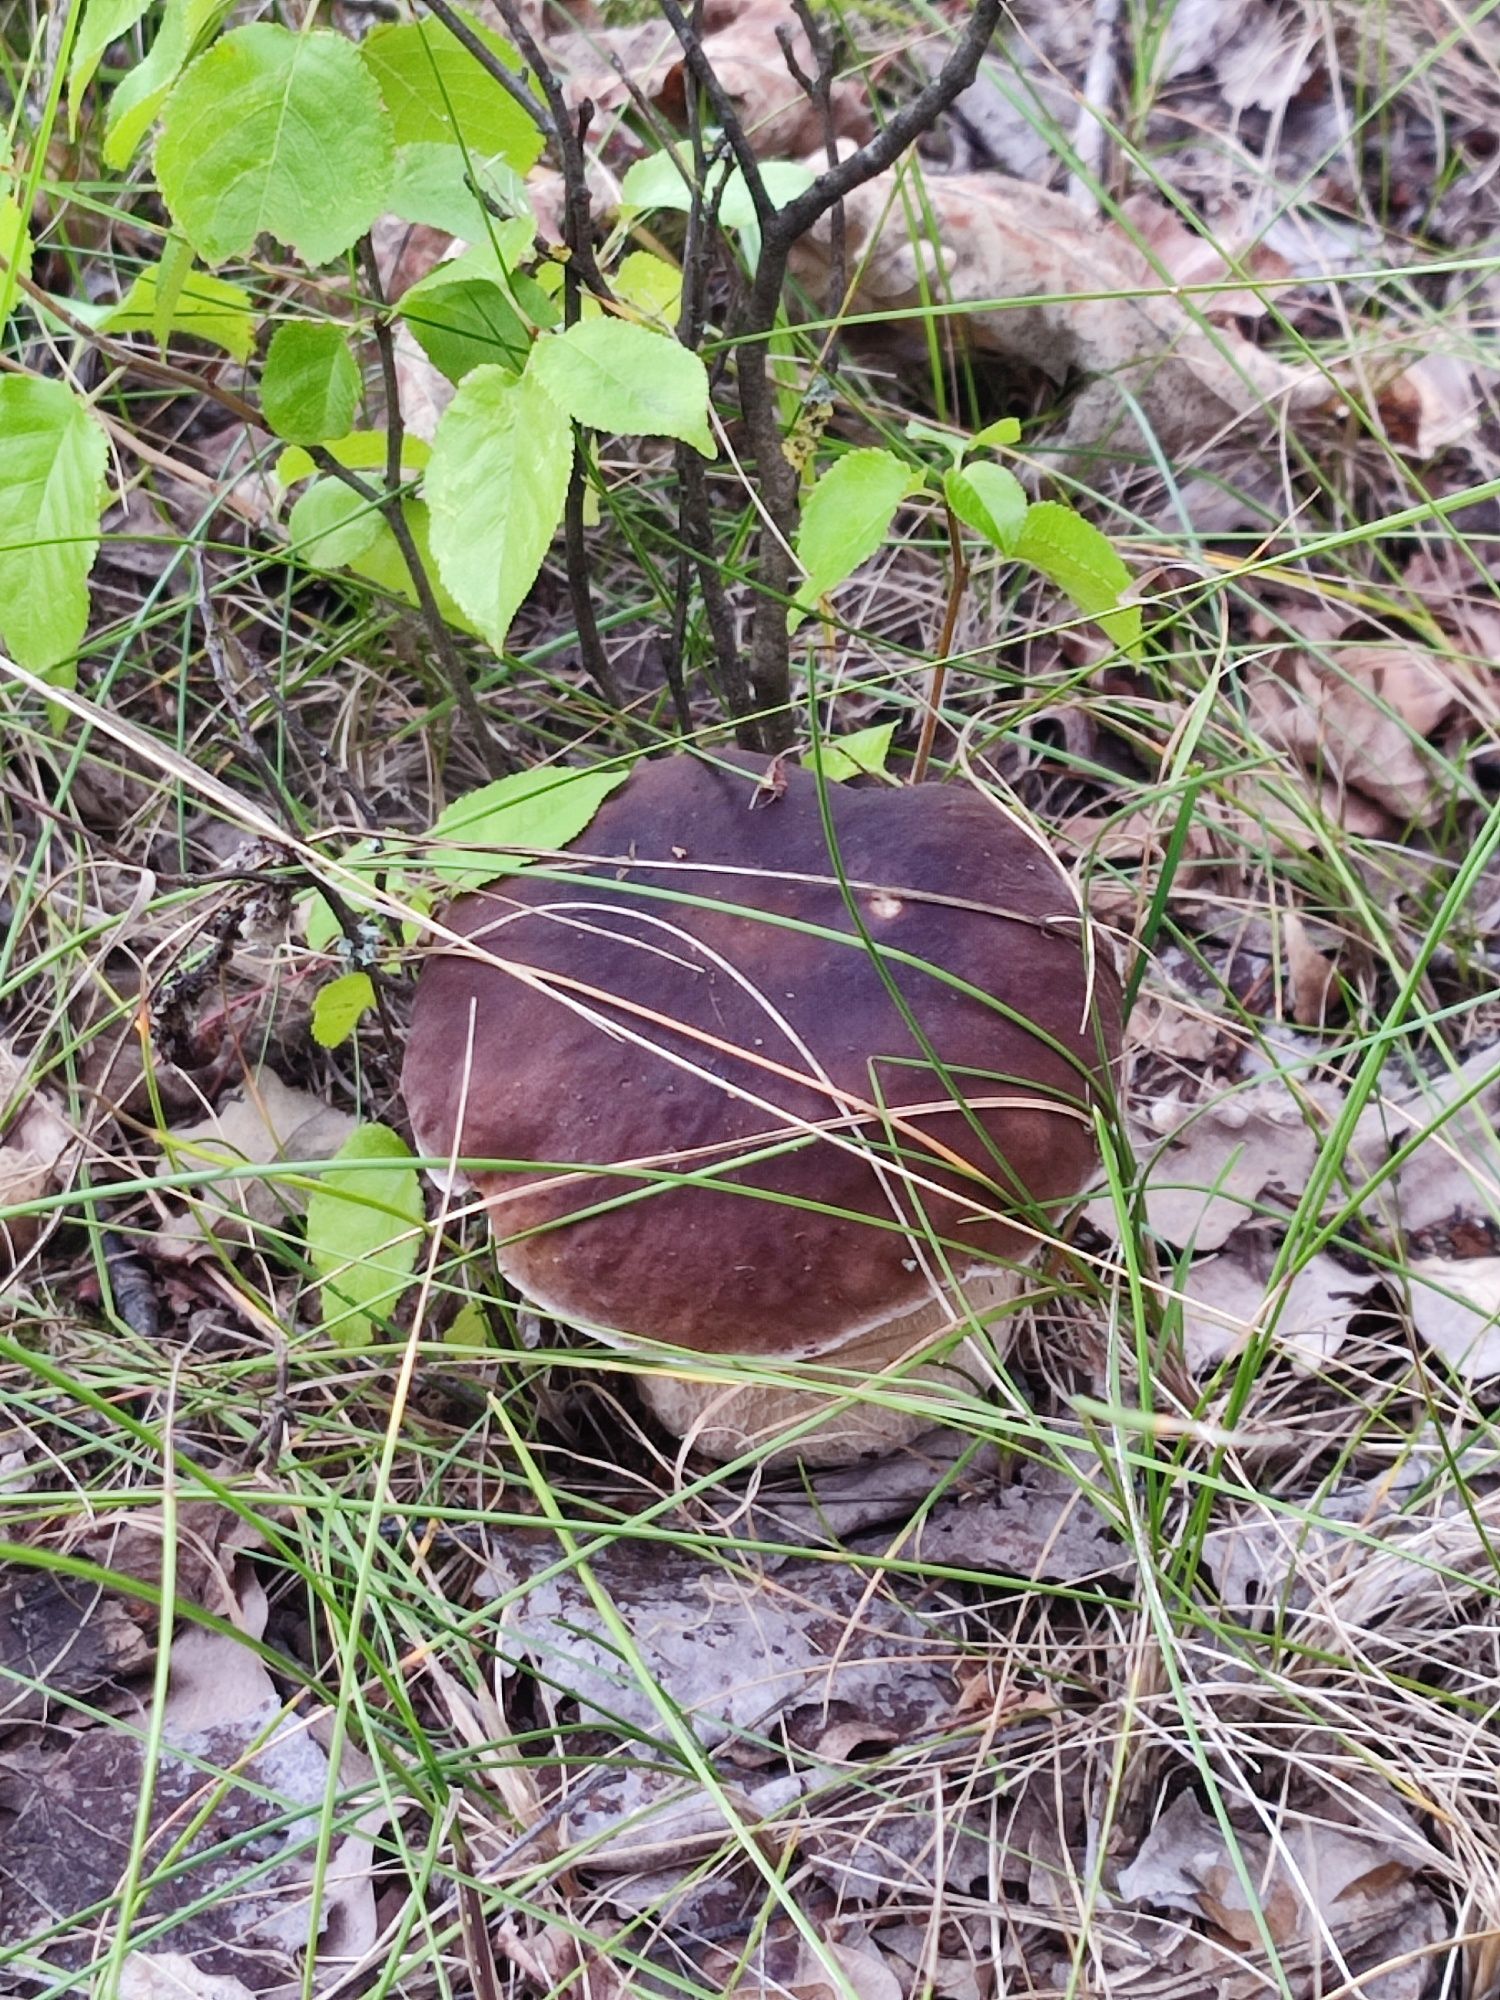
[770, 1069]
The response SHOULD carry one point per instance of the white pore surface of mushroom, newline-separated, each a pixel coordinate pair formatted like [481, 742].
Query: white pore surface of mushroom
[776, 1073]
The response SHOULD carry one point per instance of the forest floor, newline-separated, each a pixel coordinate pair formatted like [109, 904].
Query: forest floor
[1170, 1664]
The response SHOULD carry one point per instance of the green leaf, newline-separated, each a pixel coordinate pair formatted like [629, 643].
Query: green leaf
[140, 95]
[364, 1229]
[330, 525]
[340, 1006]
[616, 377]
[436, 91]
[530, 810]
[860, 754]
[1004, 430]
[470, 1327]
[432, 186]
[845, 519]
[989, 500]
[208, 308]
[53, 459]
[104, 21]
[383, 564]
[464, 323]
[15, 250]
[651, 285]
[360, 451]
[664, 180]
[274, 133]
[783, 181]
[496, 487]
[310, 387]
[1073, 554]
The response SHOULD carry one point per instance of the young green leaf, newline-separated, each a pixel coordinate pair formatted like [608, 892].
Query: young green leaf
[664, 180]
[1004, 430]
[53, 459]
[15, 250]
[987, 499]
[197, 303]
[863, 753]
[360, 451]
[364, 1228]
[140, 95]
[432, 185]
[613, 376]
[1073, 554]
[845, 519]
[340, 1006]
[529, 811]
[104, 21]
[310, 387]
[496, 487]
[271, 132]
[330, 525]
[464, 323]
[436, 91]
[651, 285]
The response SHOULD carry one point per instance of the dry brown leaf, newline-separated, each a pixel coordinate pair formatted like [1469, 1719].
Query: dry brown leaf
[1312, 979]
[995, 242]
[1431, 405]
[1226, 1299]
[210, 1542]
[172, 1975]
[1222, 1163]
[35, 1144]
[1455, 1307]
[1192, 258]
[740, 42]
[264, 1122]
[241, 1913]
[1331, 1890]
[787, 1968]
[1452, 1180]
[60, 1637]
[1372, 721]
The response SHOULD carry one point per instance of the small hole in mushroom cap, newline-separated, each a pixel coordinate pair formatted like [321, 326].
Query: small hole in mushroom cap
[885, 905]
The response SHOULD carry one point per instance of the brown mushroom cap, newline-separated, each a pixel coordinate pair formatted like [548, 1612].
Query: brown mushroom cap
[691, 988]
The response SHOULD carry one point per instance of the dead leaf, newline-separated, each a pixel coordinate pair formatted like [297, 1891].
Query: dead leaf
[1312, 979]
[1374, 721]
[264, 1122]
[862, 1967]
[1455, 1307]
[1192, 258]
[1048, 288]
[1333, 1897]
[35, 1143]
[59, 1637]
[172, 1975]
[739, 40]
[1226, 1300]
[1210, 1167]
[210, 1539]
[1431, 405]
[1452, 1178]
[732, 1644]
[228, 1747]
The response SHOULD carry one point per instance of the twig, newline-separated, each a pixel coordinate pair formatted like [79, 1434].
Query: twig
[770, 648]
[937, 680]
[568, 139]
[819, 89]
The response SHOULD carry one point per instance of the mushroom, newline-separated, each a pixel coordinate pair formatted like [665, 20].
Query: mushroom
[770, 1069]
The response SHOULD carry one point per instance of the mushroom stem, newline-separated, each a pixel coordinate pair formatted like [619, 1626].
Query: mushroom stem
[723, 1419]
